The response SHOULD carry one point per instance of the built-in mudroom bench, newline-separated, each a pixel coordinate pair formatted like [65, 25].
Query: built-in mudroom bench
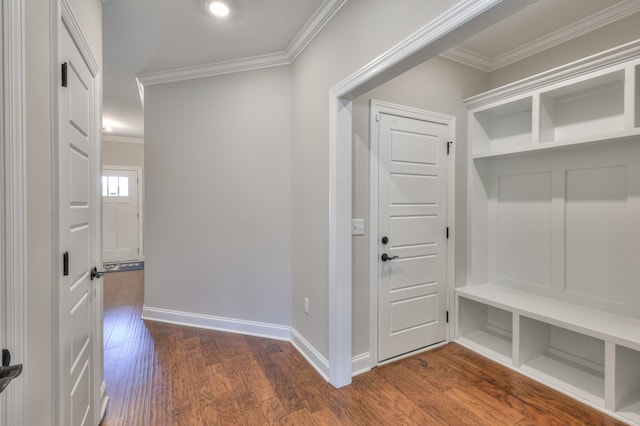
[553, 285]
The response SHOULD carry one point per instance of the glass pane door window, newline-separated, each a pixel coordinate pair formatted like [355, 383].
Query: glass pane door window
[115, 186]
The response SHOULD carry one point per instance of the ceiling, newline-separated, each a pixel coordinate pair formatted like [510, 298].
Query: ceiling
[145, 36]
[175, 38]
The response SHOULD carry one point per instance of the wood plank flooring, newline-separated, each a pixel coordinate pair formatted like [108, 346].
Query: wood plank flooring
[159, 374]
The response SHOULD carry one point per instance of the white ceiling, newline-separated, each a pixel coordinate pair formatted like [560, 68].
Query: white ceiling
[144, 36]
[159, 36]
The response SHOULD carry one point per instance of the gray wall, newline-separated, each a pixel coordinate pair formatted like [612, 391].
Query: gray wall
[612, 35]
[116, 153]
[438, 85]
[41, 298]
[218, 196]
[361, 31]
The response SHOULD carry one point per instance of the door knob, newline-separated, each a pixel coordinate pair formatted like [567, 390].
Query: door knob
[8, 372]
[384, 240]
[96, 274]
[385, 257]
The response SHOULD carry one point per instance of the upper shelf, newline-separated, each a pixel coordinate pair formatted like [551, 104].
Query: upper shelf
[594, 99]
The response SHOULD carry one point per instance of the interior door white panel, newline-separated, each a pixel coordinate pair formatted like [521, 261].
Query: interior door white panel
[77, 236]
[412, 195]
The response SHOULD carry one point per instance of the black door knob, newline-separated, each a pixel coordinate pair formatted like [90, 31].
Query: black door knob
[385, 257]
[385, 240]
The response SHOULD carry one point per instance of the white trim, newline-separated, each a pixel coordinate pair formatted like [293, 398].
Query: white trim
[98, 343]
[13, 270]
[140, 91]
[360, 364]
[313, 357]
[469, 58]
[104, 400]
[605, 59]
[320, 18]
[590, 23]
[381, 107]
[121, 139]
[232, 325]
[140, 176]
[446, 29]
[218, 68]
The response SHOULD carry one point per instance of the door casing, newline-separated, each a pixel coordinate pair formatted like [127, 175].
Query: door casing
[138, 170]
[13, 268]
[379, 107]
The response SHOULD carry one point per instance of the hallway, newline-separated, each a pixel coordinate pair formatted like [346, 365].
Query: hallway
[160, 374]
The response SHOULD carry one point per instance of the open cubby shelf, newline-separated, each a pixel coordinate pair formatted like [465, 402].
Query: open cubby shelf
[553, 283]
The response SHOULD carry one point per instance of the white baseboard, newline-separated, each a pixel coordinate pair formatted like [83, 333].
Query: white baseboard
[360, 364]
[310, 353]
[104, 399]
[251, 328]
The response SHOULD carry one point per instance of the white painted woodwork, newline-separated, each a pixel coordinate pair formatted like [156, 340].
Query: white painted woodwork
[412, 196]
[121, 219]
[76, 175]
[554, 185]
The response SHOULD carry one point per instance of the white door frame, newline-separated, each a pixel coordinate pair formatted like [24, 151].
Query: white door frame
[13, 268]
[465, 18]
[64, 16]
[381, 107]
[138, 170]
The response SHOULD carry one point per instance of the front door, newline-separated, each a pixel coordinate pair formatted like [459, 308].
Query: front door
[77, 185]
[120, 215]
[412, 220]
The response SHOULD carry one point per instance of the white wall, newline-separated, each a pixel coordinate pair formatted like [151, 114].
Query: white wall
[360, 31]
[39, 368]
[438, 85]
[218, 196]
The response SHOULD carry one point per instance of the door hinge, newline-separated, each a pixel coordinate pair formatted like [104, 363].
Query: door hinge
[447, 316]
[378, 117]
[447, 232]
[65, 263]
[449, 147]
[64, 74]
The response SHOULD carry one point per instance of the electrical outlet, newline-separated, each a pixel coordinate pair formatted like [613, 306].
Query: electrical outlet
[306, 305]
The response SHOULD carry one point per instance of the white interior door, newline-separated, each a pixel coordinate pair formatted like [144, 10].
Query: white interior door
[412, 216]
[120, 215]
[77, 185]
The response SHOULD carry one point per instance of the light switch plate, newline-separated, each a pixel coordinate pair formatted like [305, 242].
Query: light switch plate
[357, 227]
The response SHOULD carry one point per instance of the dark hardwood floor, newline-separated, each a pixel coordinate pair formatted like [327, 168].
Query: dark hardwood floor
[159, 374]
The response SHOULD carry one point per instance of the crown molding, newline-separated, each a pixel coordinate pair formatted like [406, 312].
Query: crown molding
[320, 18]
[218, 68]
[121, 139]
[607, 58]
[469, 57]
[577, 29]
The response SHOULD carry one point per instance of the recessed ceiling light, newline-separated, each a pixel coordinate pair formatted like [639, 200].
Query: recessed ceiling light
[218, 8]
